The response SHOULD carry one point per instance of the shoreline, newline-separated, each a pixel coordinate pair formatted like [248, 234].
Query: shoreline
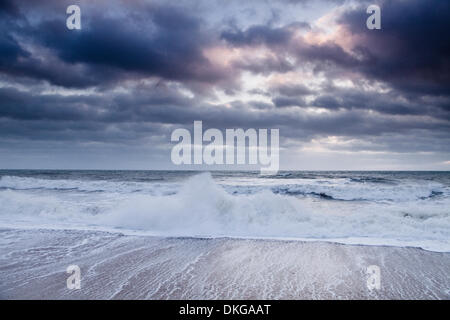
[115, 266]
[131, 233]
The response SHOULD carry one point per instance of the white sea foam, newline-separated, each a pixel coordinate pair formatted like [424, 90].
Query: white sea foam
[201, 207]
[28, 183]
[338, 189]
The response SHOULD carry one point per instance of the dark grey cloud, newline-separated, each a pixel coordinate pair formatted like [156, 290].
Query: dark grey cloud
[160, 41]
[257, 35]
[173, 51]
[393, 102]
[8, 7]
[26, 106]
[328, 52]
[288, 102]
[411, 51]
[128, 78]
[327, 101]
[111, 115]
[292, 90]
[264, 65]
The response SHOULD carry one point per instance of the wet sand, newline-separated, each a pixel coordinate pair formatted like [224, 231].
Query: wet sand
[113, 266]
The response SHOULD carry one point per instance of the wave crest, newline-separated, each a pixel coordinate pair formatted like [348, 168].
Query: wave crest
[202, 207]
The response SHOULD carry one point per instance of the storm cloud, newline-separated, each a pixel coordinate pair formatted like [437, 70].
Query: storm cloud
[138, 70]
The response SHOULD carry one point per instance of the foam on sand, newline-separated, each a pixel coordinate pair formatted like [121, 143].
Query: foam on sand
[33, 266]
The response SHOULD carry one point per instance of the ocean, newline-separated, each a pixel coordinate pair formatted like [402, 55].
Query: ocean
[405, 209]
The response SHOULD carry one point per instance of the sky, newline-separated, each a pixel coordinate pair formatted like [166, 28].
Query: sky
[109, 96]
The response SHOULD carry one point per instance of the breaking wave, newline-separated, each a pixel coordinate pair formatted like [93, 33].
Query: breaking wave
[202, 207]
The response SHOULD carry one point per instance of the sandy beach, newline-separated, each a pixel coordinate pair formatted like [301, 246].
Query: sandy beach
[114, 266]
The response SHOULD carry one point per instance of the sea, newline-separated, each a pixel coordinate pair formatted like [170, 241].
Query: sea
[391, 208]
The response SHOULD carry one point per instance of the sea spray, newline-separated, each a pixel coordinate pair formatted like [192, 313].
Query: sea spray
[400, 211]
